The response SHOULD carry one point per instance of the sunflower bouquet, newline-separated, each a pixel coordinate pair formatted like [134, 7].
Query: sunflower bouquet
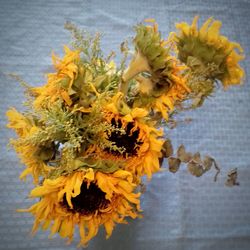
[95, 129]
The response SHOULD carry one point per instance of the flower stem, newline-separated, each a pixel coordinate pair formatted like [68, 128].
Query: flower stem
[138, 65]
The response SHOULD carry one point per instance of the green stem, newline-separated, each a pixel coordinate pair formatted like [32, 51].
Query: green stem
[138, 65]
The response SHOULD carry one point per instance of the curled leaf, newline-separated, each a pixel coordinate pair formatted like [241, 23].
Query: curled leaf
[197, 158]
[174, 164]
[161, 161]
[232, 178]
[167, 149]
[183, 155]
[207, 163]
[195, 169]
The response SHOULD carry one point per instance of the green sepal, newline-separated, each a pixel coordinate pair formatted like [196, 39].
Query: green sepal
[189, 46]
[82, 163]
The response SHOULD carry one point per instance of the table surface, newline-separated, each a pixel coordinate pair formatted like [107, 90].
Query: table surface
[180, 211]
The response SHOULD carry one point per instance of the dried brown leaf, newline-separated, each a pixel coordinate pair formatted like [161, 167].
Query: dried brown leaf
[197, 158]
[167, 149]
[207, 163]
[195, 169]
[161, 161]
[183, 155]
[174, 164]
[232, 178]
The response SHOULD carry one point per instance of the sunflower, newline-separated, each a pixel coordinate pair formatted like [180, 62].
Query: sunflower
[164, 101]
[76, 81]
[86, 198]
[135, 142]
[151, 56]
[157, 73]
[29, 154]
[207, 48]
[59, 84]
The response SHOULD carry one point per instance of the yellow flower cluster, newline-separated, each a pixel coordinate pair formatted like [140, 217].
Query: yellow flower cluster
[94, 129]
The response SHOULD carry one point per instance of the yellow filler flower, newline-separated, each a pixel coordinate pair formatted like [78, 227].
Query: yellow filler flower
[88, 199]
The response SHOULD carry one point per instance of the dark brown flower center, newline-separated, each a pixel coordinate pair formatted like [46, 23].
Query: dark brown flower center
[89, 200]
[127, 141]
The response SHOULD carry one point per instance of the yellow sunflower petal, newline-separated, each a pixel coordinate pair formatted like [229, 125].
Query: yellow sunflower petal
[109, 226]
